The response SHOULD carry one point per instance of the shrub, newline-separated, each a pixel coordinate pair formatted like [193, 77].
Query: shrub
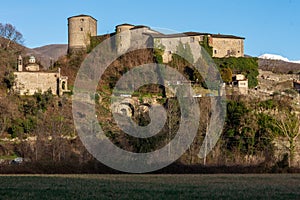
[205, 45]
[9, 79]
[42, 100]
[246, 66]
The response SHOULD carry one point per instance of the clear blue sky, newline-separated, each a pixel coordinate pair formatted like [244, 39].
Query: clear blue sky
[269, 26]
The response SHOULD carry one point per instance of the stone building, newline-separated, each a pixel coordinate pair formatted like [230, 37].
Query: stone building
[32, 65]
[170, 42]
[31, 80]
[223, 45]
[241, 83]
[82, 27]
[131, 36]
[296, 85]
[80, 30]
[226, 45]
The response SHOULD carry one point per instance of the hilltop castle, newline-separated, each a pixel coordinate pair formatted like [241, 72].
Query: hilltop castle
[82, 28]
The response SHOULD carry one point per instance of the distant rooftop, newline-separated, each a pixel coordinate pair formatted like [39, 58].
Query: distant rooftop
[187, 34]
[125, 24]
[82, 15]
[161, 35]
[226, 36]
[139, 26]
[213, 35]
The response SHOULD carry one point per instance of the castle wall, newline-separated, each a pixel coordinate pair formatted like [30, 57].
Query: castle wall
[225, 47]
[171, 43]
[131, 38]
[138, 38]
[123, 41]
[27, 83]
[80, 29]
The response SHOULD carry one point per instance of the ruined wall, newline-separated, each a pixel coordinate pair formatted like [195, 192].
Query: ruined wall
[225, 47]
[27, 83]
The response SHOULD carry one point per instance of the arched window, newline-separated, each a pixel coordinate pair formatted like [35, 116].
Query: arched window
[63, 85]
[124, 111]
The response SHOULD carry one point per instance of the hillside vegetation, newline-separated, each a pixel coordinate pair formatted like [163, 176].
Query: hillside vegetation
[40, 128]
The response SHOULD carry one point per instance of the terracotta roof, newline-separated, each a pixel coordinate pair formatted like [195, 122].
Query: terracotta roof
[82, 15]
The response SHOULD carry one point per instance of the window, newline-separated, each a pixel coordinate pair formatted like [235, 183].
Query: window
[215, 51]
[192, 39]
[82, 20]
[81, 29]
[63, 85]
[123, 111]
[238, 51]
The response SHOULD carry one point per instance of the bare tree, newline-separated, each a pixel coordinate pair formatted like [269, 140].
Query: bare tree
[289, 125]
[10, 32]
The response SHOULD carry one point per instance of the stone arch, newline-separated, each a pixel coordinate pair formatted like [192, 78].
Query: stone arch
[131, 108]
[62, 85]
[123, 109]
[144, 107]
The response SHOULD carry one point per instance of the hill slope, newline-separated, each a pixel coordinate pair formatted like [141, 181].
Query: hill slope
[278, 66]
[49, 52]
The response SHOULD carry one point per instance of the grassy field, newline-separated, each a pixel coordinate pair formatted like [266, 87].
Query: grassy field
[233, 186]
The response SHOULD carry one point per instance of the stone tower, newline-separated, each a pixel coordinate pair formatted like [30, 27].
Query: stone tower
[80, 30]
[20, 63]
[123, 37]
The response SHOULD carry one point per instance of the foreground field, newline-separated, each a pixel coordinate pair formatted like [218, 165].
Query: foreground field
[260, 186]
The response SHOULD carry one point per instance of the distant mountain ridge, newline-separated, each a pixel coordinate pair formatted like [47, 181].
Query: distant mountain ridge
[277, 57]
[48, 53]
[278, 64]
[44, 54]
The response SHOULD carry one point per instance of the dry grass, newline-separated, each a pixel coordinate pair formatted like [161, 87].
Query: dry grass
[263, 186]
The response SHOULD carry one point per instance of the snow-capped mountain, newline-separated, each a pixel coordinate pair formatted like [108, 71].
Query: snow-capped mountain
[277, 57]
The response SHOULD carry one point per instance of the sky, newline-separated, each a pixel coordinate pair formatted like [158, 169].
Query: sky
[268, 26]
